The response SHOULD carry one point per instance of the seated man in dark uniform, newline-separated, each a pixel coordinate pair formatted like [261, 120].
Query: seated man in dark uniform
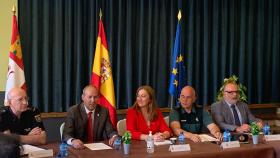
[18, 118]
[190, 118]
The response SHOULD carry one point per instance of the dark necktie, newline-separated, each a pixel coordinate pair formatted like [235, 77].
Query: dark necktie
[236, 118]
[89, 128]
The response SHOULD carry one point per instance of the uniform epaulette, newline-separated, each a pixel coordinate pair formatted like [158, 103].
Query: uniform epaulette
[3, 109]
[31, 108]
[177, 108]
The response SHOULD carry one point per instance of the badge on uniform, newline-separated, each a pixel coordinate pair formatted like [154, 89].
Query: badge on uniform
[27, 130]
[196, 119]
[38, 118]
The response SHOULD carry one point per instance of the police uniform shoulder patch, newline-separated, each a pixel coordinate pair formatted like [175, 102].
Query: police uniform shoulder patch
[3, 109]
[38, 118]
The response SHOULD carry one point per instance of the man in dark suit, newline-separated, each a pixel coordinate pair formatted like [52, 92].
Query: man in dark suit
[88, 122]
[231, 114]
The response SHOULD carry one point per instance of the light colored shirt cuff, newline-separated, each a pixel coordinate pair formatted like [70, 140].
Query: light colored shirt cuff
[69, 141]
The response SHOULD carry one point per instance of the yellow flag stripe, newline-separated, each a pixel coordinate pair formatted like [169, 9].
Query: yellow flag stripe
[108, 93]
[106, 88]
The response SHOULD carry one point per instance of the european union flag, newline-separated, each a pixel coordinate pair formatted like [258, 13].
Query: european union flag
[178, 73]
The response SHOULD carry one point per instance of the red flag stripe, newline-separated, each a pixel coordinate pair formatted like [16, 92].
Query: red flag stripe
[15, 30]
[18, 61]
[24, 86]
[112, 111]
[101, 34]
[95, 80]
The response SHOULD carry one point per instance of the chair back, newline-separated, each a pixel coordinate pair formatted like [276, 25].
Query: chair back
[61, 130]
[121, 126]
[166, 119]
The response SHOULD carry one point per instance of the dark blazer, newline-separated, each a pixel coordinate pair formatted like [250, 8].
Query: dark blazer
[76, 124]
[222, 115]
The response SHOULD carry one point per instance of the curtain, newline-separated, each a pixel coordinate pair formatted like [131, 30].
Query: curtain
[219, 38]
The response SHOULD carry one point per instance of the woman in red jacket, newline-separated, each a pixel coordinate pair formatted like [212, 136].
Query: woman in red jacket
[144, 116]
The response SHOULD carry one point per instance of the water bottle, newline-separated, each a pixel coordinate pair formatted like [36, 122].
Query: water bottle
[117, 143]
[226, 136]
[63, 150]
[150, 143]
[181, 138]
[266, 129]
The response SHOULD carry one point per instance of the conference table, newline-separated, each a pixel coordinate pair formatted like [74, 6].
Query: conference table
[198, 150]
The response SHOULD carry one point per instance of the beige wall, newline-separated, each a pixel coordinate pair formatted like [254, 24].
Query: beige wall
[5, 38]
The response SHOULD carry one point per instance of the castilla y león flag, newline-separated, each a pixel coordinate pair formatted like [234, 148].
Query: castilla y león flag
[15, 76]
[102, 77]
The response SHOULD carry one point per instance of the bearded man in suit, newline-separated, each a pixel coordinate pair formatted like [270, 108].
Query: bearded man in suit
[232, 114]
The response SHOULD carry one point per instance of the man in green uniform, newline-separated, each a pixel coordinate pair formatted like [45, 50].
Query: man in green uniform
[191, 118]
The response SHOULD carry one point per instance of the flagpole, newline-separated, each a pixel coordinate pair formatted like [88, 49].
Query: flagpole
[175, 82]
[105, 86]
[171, 102]
[14, 9]
[15, 74]
[100, 14]
[5, 100]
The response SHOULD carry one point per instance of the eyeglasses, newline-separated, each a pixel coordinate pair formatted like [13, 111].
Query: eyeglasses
[232, 92]
[21, 100]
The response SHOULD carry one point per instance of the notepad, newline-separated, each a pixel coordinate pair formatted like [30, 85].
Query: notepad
[97, 146]
[165, 142]
[231, 144]
[180, 147]
[41, 153]
[29, 149]
[272, 137]
[207, 138]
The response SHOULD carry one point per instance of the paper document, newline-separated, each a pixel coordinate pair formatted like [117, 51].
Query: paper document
[29, 149]
[97, 146]
[179, 147]
[272, 137]
[41, 153]
[207, 138]
[166, 142]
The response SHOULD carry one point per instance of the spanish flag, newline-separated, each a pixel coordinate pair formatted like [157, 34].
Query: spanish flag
[15, 76]
[102, 77]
